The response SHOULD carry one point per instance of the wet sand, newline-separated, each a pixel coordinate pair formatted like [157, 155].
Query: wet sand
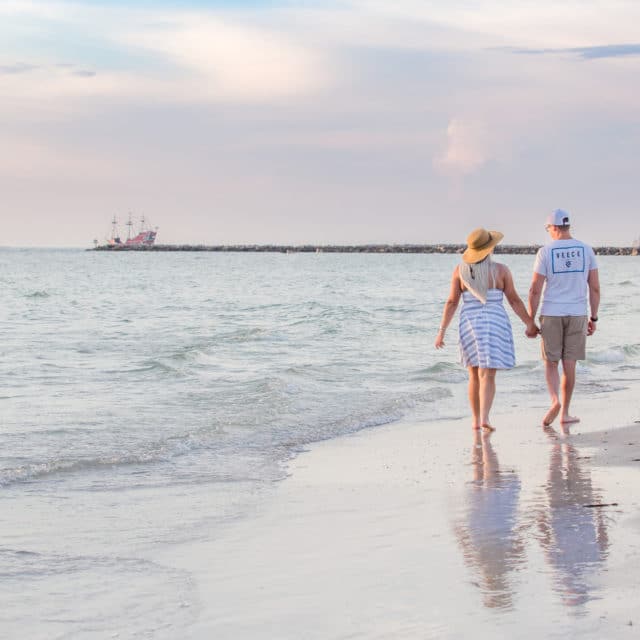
[431, 531]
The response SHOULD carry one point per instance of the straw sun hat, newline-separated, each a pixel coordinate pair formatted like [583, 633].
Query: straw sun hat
[480, 244]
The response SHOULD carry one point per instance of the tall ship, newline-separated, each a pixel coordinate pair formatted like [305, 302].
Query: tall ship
[145, 236]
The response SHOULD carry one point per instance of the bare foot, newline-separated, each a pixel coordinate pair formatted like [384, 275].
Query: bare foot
[569, 420]
[552, 414]
[488, 427]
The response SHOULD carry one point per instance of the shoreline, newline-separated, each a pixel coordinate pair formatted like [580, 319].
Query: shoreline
[418, 530]
[366, 248]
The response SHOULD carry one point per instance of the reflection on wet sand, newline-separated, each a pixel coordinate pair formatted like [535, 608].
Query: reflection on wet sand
[572, 534]
[490, 539]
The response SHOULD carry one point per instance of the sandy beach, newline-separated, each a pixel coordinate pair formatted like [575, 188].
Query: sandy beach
[427, 530]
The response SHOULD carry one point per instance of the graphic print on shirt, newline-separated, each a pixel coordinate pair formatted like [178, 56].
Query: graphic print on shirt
[567, 259]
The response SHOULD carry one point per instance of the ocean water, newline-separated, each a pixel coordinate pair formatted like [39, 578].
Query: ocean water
[149, 399]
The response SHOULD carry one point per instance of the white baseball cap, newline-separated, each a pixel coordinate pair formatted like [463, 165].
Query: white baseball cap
[559, 218]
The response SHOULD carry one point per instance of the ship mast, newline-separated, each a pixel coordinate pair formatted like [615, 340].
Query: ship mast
[114, 228]
[129, 224]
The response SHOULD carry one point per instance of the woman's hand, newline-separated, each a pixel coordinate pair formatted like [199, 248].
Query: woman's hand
[439, 343]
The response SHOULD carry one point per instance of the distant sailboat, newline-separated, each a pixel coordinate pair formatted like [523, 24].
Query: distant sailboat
[146, 236]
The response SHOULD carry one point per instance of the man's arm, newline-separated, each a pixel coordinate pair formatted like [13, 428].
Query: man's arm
[593, 281]
[535, 293]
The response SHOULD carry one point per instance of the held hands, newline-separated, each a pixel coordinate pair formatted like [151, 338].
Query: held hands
[532, 330]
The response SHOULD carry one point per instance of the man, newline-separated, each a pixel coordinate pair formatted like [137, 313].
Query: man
[567, 271]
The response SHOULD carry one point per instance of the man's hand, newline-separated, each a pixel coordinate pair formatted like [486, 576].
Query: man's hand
[591, 327]
[532, 330]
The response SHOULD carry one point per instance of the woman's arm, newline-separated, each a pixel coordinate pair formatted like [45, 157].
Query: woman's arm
[516, 302]
[450, 307]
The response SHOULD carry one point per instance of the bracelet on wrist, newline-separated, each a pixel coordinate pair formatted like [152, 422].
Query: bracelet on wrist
[441, 329]
[593, 319]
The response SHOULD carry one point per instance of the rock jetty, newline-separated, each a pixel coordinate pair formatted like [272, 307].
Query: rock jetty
[357, 248]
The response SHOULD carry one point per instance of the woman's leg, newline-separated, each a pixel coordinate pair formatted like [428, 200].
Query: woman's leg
[474, 397]
[487, 391]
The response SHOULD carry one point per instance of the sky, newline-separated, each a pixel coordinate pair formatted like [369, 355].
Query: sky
[334, 122]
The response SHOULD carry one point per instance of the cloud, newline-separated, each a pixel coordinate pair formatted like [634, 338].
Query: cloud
[589, 53]
[466, 149]
[16, 68]
[172, 55]
[54, 88]
[233, 62]
[609, 51]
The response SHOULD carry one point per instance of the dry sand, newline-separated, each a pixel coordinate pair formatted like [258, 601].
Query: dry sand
[427, 531]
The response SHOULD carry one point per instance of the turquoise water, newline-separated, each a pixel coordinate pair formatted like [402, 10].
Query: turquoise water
[147, 399]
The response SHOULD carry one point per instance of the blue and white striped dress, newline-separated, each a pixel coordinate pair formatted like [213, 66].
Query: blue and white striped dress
[486, 338]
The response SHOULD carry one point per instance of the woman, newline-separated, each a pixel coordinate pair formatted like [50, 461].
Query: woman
[486, 340]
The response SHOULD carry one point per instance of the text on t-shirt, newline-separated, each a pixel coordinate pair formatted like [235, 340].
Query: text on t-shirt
[567, 259]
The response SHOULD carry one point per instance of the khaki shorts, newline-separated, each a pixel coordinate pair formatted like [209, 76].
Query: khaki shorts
[563, 337]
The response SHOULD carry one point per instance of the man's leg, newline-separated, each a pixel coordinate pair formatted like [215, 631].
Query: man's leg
[487, 394]
[553, 384]
[574, 348]
[568, 383]
[474, 397]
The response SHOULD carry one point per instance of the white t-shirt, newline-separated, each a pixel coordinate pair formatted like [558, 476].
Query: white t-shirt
[566, 265]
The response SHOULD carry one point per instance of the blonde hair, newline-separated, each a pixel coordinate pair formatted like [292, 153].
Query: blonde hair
[478, 277]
